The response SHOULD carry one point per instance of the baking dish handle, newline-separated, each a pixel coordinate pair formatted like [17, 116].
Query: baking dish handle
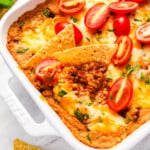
[16, 107]
[33, 128]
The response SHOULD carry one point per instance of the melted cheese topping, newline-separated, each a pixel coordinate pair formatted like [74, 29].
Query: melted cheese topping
[101, 118]
[35, 34]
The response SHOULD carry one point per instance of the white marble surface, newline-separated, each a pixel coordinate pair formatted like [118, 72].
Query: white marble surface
[10, 129]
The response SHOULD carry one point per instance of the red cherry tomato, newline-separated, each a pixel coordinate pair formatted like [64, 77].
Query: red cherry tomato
[71, 6]
[137, 1]
[143, 33]
[77, 33]
[123, 52]
[121, 24]
[123, 7]
[96, 16]
[47, 71]
[120, 94]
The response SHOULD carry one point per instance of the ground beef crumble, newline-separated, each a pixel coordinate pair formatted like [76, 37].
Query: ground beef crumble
[91, 78]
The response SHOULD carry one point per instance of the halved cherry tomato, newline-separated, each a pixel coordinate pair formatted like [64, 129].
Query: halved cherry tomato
[77, 33]
[143, 33]
[123, 52]
[71, 6]
[137, 1]
[47, 71]
[121, 24]
[120, 94]
[96, 16]
[123, 7]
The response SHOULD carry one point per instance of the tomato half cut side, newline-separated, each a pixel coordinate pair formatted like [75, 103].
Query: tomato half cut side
[120, 94]
[121, 24]
[47, 71]
[123, 7]
[123, 52]
[71, 6]
[77, 33]
[96, 16]
[143, 33]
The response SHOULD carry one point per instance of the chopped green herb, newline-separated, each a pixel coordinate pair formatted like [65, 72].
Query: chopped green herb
[129, 120]
[139, 20]
[62, 93]
[110, 97]
[22, 50]
[142, 77]
[98, 38]
[48, 13]
[148, 19]
[110, 30]
[108, 77]
[130, 69]
[89, 104]
[89, 138]
[88, 38]
[147, 81]
[74, 19]
[81, 116]
[21, 24]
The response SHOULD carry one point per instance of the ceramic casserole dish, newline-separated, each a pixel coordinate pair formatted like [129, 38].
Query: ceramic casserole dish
[52, 125]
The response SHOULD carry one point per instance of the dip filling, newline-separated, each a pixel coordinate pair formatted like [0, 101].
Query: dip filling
[100, 103]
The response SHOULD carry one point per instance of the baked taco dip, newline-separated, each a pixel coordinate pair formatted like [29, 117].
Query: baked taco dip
[90, 61]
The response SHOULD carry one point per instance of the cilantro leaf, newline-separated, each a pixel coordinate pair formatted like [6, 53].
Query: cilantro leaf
[62, 93]
[22, 50]
[130, 69]
[80, 115]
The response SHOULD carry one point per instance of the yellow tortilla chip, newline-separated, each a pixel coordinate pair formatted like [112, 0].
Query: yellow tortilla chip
[63, 40]
[21, 145]
[85, 54]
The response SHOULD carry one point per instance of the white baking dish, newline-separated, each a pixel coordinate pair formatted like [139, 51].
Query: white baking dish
[53, 124]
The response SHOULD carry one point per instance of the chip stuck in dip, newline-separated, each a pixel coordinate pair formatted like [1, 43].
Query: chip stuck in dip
[90, 62]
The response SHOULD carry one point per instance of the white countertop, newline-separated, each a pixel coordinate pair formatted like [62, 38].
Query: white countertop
[10, 129]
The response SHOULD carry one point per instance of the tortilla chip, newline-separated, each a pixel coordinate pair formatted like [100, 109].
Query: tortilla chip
[20, 145]
[63, 40]
[85, 54]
